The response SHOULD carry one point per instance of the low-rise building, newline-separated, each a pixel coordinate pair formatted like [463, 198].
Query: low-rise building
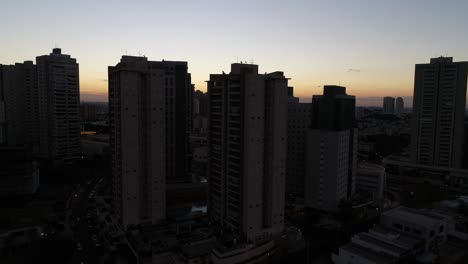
[433, 227]
[371, 179]
[404, 234]
[402, 172]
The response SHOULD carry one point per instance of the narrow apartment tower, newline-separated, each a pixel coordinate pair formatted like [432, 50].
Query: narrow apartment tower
[149, 123]
[299, 120]
[19, 129]
[19, 106]
[59, 107]
[399, 106]
[247, 144]
[439, 101]
[331, 149]
[389, 105]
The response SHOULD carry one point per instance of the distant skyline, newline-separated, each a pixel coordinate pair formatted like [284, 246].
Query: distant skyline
[370, 47]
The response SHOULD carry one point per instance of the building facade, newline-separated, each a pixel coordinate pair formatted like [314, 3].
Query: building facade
[331, 153]
[439, 101]
[247, 151]
[19, 107]
[388, 105]
[371, 179]
[404, 235]
[148, 135]
[299, 119]
[88, 112]
[19, 172]
[399, 106]
[59, 107]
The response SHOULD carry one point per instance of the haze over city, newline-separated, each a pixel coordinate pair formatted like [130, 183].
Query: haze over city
[369, 46]
[234, 132]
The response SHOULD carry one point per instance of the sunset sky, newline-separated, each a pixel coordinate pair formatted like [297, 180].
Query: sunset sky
[369, 46]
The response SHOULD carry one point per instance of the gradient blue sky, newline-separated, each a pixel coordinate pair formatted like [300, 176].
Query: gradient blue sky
[313, 42]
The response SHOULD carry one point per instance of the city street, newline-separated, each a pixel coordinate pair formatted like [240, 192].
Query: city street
[86, 250]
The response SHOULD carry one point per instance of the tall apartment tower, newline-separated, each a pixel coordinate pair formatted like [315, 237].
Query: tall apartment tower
[331, 149]
[299, 120]
[19, 106]
[389, 105]
[399, 106]
[148, 114]
[59, 107]
[19, 129]
[247, 146]
[439, 103]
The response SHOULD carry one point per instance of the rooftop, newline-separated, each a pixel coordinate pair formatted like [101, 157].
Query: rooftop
[381, 243]
[397, 238]
[237, 68]
[198, 249]
[413, 215]
[367, 254]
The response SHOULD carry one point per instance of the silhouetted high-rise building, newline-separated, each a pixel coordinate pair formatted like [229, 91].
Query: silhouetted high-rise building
[299, 119]
[88, 112]
[388, 105]
[399, 106]
[247, 151]
[465, 154]
[59, 107]
[19, 172]
[149, 123]
[19, 129]
[19, 108]
[438, 113]
[331, 149]
[200, 112]
[200, 106]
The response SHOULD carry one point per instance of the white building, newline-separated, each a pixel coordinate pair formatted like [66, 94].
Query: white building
[429, 225]
[331, 151]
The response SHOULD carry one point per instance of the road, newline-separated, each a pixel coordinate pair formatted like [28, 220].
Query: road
[87, 252]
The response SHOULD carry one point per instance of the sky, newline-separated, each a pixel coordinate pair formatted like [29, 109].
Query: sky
[369, 46]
